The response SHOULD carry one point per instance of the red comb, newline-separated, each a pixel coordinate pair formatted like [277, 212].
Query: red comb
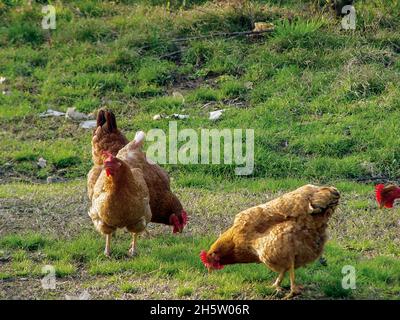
[378, 192]
[207, 264]
[203, 258]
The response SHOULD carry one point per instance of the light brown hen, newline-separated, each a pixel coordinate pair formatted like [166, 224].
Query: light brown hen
[165, 205]
[284, 234]
[120, 200]
[106, 137]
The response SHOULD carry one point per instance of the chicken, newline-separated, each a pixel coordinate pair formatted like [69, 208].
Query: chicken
[284, 234]
[165, 206]
[120, 200]
[106, 137]
[386, 195]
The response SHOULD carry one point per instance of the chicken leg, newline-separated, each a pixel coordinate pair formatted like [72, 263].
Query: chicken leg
[294, 289]
[277, 284]
[107, 249]
[278, 281]
[132, 251]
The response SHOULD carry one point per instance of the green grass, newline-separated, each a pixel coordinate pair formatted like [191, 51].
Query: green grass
[30, 242]
[129, 288]
[314, 92]
[169, 258]
[43, 191]
[184, 291]
[361, 236]
[323, 103]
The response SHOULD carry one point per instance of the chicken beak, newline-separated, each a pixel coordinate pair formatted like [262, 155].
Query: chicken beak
[209, 270]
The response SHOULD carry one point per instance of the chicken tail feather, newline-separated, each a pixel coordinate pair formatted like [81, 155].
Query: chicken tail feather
[101, 118]
[325, 198]
[138, 142]
[139, 139]
[111, 121]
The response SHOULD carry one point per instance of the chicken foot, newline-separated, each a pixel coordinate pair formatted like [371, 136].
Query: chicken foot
[107, 248]
[277, 284]
[294, 289]
[132, 251]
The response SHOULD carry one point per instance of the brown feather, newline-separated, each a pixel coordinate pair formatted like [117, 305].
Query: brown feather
[120, 201]
[101, 119]
[289, 229]
[107, 137]
[163, 202]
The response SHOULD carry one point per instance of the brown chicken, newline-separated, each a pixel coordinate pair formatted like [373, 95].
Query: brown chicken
[165, 206]
[120, 200]
[284, 234]
[106, 137]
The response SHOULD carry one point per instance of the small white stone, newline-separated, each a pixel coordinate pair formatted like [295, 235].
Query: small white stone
[53, 179]
[89, 124]
[215, 115]
[42, 163]
[180, 116]
[72, 114]
[51, 113]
